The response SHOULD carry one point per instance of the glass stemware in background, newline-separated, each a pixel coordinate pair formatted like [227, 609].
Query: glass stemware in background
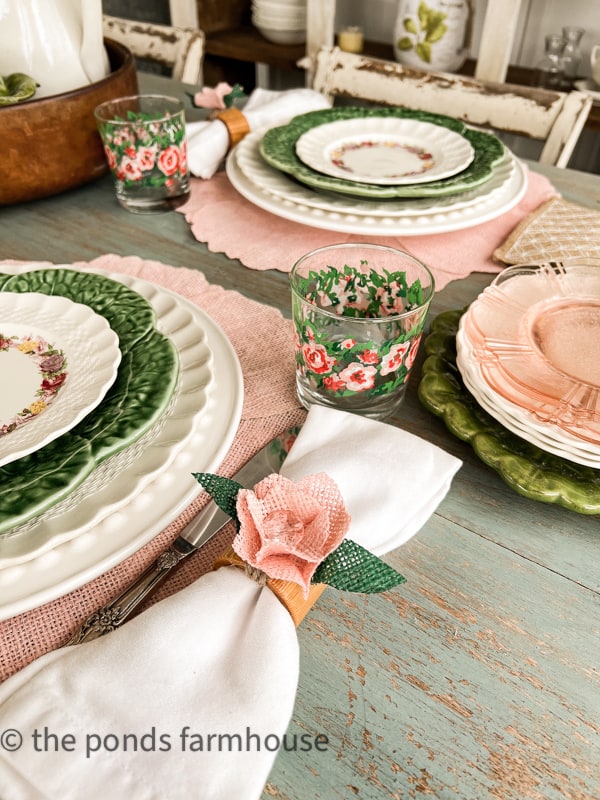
[549, 71]
[571, 55]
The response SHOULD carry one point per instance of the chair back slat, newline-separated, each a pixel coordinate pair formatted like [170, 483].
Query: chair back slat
[556, 118]
[179, 49]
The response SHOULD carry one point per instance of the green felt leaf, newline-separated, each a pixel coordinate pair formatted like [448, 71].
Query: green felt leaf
[223, 491]
[352, 568]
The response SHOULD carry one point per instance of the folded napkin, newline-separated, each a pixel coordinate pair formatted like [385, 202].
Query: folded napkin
[556, 230]
[209, 141]
[192, 697]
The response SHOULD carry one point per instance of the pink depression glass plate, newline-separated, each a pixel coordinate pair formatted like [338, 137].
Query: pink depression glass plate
[534, 332]
[520, 421]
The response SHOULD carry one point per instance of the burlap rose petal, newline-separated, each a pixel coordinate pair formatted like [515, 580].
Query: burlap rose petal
[287, 529]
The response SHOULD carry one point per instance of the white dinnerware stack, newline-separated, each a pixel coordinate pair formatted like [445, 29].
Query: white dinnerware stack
[280, 21]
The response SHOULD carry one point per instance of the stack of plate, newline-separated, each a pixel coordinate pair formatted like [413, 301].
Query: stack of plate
[378, 171]
[119, 390]
[280, 21]
[526, 350]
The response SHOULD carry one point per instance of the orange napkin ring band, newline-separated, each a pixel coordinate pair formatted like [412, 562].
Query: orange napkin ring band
[236, 124]
[289, 593]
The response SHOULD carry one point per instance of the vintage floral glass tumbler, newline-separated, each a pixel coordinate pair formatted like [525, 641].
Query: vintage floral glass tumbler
[359, 311]
[145, 146]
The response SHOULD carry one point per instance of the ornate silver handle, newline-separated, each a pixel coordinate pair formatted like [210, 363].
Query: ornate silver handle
[118, 611]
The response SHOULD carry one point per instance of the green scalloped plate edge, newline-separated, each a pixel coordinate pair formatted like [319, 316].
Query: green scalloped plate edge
[278, 148]
[527, 469]
[145, 382]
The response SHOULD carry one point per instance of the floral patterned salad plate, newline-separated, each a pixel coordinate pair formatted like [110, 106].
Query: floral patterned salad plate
[144, 385]
[57, 359]
[278, 148]
[386, 151]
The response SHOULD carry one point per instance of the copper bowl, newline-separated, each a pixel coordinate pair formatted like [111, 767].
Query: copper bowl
[52, 144]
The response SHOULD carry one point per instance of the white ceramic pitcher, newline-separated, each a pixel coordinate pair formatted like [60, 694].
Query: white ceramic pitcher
[595, 63]
[433, 34]
[59, 43]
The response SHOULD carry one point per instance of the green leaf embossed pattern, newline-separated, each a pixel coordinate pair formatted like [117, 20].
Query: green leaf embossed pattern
[278, 148]
[144, 385]
[529, 470]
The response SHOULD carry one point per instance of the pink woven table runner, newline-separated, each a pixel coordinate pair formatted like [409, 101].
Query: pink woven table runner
[228, 223]
[250, 327]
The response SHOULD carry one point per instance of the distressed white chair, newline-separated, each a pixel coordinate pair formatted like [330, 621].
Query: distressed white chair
[179, 49]
[555, 118]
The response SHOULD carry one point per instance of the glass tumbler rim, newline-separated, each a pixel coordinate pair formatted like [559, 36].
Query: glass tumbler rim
[388, 318]
[175, 101]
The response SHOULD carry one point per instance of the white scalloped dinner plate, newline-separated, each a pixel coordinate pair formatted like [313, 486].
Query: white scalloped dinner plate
[384, 150]
[91, 350]
[66, 551]
[366, 224]
[283, 186]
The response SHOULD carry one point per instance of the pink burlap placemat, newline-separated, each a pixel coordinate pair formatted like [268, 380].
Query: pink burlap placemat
[228, 223]
[251, 328]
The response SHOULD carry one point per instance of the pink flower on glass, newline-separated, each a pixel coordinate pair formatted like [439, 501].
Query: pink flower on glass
[168, 160]
[316, 358]
[358, 378]
[394, 358]
[146, 158]
[288, 529]
[333, 384]
[347, 344]
[110, 157]
[183, 164]
[410, 358]
[369, 357]
[129, 170]
[213, 98]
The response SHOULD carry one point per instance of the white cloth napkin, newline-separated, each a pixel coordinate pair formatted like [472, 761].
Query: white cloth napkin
[59, 43]
[125, 716]
[208, 141]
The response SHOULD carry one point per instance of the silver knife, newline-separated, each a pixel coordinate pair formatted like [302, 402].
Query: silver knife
[195, 534]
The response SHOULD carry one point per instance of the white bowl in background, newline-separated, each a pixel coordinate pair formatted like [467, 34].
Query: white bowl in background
[279, 20]
[276, 8]
[282, 36]
[280, 4]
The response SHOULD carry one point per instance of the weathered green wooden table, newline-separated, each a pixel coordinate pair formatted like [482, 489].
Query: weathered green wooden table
[479, 678]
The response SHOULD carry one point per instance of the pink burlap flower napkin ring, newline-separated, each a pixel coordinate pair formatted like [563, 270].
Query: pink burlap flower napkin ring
[219, 97]
[294, 535]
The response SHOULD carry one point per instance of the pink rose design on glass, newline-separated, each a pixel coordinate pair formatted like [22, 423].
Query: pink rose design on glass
[393, 360]
[287, 529]
[358, 377]
[410, 358]
[168, 160]
[146, 158]
[316, 358]
[369, 357]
